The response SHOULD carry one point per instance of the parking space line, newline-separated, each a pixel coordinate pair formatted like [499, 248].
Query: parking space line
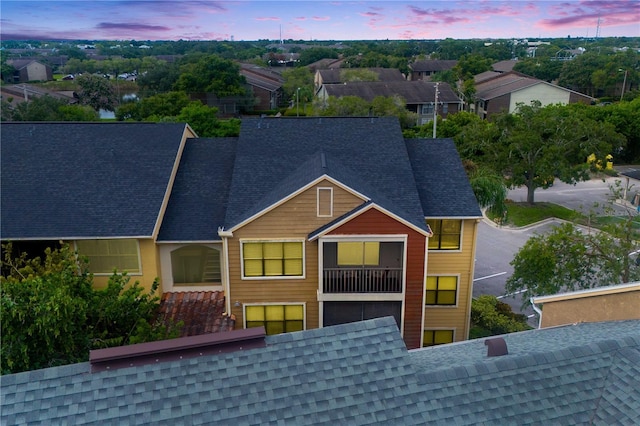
[489, 276]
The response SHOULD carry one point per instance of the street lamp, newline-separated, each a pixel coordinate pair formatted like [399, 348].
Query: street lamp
[624, 83]
[298, 102]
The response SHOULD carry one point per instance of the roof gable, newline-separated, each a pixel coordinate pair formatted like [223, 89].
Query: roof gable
[279, 156]
[79, 180]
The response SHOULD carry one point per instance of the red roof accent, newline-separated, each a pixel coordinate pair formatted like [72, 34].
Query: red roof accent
[202, 312]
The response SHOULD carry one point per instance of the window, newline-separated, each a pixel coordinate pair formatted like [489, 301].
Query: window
[437, 337]
[446, 234]
[195, 265]
[325, 202]
[427, 109]
[441, 290]
[276, 319]
[445, 108]
[105, 256]
[272, 258]
[358, 253]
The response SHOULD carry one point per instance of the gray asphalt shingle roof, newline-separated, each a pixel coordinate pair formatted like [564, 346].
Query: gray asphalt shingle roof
[279, 155]
[83, 180]
[352, 374]
[413, 92]
[200, 191]
[356, 373]
[587, 373]
[442, 182]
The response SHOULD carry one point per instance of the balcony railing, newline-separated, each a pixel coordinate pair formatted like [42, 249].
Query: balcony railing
[362, 280]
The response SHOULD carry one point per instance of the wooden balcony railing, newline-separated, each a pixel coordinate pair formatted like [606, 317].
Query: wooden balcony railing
[362, 280]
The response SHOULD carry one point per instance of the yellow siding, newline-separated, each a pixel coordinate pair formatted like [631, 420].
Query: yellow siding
[149, 264]
[454, 263]
[294, 219]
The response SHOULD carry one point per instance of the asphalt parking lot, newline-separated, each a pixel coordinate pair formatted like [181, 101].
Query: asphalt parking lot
[496, 246]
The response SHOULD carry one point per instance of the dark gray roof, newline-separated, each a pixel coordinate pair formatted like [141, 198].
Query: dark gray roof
[272, 152]
[336, 75]
[413, 92]
[199, 196]
[433, 65]
[442, 182]
[587, 373]
[352, 374]
[83, 180]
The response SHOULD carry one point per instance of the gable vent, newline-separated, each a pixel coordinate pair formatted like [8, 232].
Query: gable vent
[496, 347]
[176, 349]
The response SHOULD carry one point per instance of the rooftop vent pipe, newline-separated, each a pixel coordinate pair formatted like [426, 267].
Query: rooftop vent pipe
[496, 347]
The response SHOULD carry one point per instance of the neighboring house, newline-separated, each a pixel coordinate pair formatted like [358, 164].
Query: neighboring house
[30, 70]
[503, 93]
[346, 75]
[424, 70]
[504, 66]
[301, 222]
[352, 374]
[326, 64]
[265, 85]
[419, 96]
[611, 303]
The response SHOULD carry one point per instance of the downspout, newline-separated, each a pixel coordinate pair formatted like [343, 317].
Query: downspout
[537, 310]
[225, 235]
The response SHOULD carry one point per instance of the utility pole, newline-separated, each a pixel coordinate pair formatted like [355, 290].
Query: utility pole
[624, 84]
[435, 112]
[298, 102]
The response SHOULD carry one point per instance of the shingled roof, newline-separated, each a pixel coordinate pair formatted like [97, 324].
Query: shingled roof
[337, 75]
[432, 65]
[200, 191]
[271, 153]
[413, 92]
[357, 373]
[353, 374]
[79, 180]
[578, 374]
[442, 181]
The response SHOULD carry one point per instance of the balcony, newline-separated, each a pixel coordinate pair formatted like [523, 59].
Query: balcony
[362, 280]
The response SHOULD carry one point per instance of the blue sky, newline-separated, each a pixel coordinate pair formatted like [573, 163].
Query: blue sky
[316, 20]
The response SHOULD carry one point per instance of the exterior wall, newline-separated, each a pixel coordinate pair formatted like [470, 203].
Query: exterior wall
[605, 307]
[38, 72]
[377, 223]
[149, 266]
[498, 105]
[545, 93]
[461, 264]
[294, 219]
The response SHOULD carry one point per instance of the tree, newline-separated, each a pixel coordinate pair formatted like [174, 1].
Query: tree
[153, 108]
[490, 317]
[211, 74]
[538, 145]
[204, 121]
[573, 257]
[313, 54]
[52, 315]
[96, 92]
[48, 108]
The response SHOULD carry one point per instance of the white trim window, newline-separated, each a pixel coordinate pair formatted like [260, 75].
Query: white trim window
[109, 255]
[447, 234]
[265, 259]
[442, 290]
[276, 318]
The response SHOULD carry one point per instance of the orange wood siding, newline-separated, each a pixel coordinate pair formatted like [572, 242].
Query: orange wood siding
[454, 263]
[294, 219]
[377, 223]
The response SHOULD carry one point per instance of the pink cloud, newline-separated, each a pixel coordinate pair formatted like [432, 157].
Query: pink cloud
[321, 18]
[268, 18]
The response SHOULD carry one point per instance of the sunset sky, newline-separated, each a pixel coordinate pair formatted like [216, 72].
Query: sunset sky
[316, 20]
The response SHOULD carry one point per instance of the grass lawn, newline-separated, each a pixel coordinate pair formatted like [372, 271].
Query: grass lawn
[522, 214]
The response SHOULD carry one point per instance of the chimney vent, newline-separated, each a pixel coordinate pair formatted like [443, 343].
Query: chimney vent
[496, 347]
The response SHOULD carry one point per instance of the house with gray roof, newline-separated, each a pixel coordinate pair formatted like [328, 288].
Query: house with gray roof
[419, 96]
[502, 92]
[300, 223]
[424, 70]
[30, 70]
[357, 373]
